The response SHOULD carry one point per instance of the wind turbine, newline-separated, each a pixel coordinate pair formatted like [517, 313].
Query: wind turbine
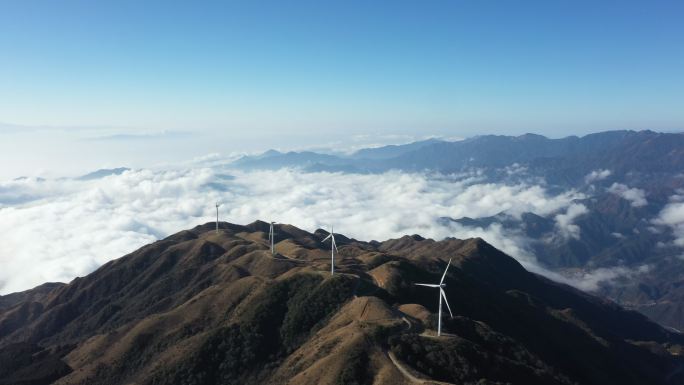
[271, 236]
[217, 206]
[441, 285]
[333, 248]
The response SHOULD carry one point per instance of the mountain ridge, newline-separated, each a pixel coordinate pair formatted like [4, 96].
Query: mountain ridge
[497, 151]
[208, 307]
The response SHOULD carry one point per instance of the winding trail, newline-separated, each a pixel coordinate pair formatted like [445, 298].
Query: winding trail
[406, 371]
[403, 370]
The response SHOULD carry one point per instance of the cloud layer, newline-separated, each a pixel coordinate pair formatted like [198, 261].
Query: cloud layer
[672, 215]
[57, 230]
[635, 196]
[597, 175]
[564, 222]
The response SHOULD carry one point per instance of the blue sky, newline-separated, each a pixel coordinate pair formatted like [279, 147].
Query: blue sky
[288, 73]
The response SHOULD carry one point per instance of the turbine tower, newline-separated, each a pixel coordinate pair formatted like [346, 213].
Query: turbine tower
[217, 206]
[271, 237]
[441, 295]
[333, 248]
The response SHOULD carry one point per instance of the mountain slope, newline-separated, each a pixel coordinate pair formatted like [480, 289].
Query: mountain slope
[207, 307]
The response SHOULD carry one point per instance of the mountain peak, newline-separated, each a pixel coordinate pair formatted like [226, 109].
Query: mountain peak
[531, 136]
[103, 172]
[218, 305]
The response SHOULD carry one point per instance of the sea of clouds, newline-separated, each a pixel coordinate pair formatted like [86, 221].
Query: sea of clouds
[56, 230]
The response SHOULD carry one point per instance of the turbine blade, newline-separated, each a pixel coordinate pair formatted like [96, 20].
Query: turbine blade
[326, 238]
[426, 284]
[334, 244]
[445, 271]
[445, 300]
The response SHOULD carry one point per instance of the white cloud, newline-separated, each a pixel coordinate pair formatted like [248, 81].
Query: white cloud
[514, 169]
[517, 245]
[591, 280]
[597, 175]
[68, 228]
[564, 222]
[672, 215]
[636, 196]
[61, 236]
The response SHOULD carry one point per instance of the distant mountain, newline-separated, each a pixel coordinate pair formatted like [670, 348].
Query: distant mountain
[274, 160]
[26, 178]
[360, 161]
[394, 150]
[606, 167]
[610, 230]
[613, 234]
[565, 161]
[207, 307]
[101, 173]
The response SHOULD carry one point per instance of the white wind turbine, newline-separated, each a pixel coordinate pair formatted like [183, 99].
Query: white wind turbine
[333, 248]
[441, 285]
[217, 206]
[271, 237]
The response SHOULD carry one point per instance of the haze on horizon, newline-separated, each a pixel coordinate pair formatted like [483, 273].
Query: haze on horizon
[94, 84]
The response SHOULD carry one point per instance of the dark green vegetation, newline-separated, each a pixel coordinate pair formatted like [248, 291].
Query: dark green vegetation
[29, 364]
[356, 369]
[201, 308]
[284, 316]
[465, 362]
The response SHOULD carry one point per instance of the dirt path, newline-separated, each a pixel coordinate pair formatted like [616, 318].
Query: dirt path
[409, 325]
[404, 370]
[287, 258]
[434, 336]
[407, 372]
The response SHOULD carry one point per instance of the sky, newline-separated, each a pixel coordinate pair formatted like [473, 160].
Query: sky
[168, 87]
[87, 84]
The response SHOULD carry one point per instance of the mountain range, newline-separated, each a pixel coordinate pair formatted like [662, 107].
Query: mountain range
[627, 179]
[622, 152]
[206, 306]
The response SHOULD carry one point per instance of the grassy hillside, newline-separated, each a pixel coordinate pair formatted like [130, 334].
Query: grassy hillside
[202, 307]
